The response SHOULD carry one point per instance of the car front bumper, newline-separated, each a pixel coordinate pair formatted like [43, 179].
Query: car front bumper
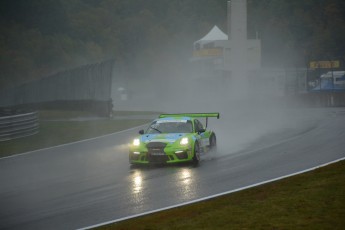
[160, 157]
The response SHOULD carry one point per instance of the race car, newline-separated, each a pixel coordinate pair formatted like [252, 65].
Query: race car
[173, 138]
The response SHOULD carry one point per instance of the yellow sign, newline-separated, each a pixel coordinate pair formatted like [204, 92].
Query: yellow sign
[208, 53]
[324, 64]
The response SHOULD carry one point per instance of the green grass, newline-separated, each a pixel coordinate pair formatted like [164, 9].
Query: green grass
[58, 114]
[61, 114]
[313, 200]
[56, 129]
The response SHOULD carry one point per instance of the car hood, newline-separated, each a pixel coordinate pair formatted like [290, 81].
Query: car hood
[162, 137]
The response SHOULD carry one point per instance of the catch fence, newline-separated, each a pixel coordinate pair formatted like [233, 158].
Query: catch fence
[89, 83]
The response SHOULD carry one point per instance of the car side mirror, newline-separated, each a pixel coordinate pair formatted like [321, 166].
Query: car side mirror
[202, 130]
[141, 132]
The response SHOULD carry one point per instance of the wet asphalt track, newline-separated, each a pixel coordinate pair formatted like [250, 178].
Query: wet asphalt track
[90, 182]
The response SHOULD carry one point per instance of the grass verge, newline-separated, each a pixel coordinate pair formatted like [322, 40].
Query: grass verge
[313, 200]
[56, 128]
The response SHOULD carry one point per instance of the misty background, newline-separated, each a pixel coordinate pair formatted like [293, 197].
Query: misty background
[151, 43]
[154, 38]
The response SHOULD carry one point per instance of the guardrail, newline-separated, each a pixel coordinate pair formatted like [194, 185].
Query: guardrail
[18, 125]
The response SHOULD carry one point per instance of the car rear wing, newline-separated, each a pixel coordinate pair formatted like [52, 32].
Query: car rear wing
[189, 115]
[206, 115]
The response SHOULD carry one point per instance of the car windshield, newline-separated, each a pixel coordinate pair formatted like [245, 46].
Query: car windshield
[168, 126]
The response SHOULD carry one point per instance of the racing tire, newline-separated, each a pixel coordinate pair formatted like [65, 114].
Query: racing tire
[213, 144]
[196, 155]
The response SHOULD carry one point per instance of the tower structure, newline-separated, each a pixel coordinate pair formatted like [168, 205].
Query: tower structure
[230, 56]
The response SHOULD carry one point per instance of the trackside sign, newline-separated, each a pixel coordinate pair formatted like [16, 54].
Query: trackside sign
[324, 64]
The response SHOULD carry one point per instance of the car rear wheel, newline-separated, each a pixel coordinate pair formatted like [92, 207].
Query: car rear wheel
[196, 155]
[213, 142]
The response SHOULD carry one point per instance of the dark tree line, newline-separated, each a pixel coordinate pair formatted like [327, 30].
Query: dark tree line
[40, 37]
[303, 29]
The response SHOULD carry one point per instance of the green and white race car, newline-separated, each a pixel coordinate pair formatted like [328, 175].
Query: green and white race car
[173, 138]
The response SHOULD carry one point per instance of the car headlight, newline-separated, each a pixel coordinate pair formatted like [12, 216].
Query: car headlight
[136, 142]
[184, 141]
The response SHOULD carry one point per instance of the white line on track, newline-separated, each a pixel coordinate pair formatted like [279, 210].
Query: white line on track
[212, 196]
[71, 143]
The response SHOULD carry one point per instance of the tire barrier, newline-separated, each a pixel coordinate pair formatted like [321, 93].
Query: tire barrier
[18, 125]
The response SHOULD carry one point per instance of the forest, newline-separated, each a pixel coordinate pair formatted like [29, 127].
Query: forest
[42, 37]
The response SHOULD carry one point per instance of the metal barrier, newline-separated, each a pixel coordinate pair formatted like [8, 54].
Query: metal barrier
[18, 125]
